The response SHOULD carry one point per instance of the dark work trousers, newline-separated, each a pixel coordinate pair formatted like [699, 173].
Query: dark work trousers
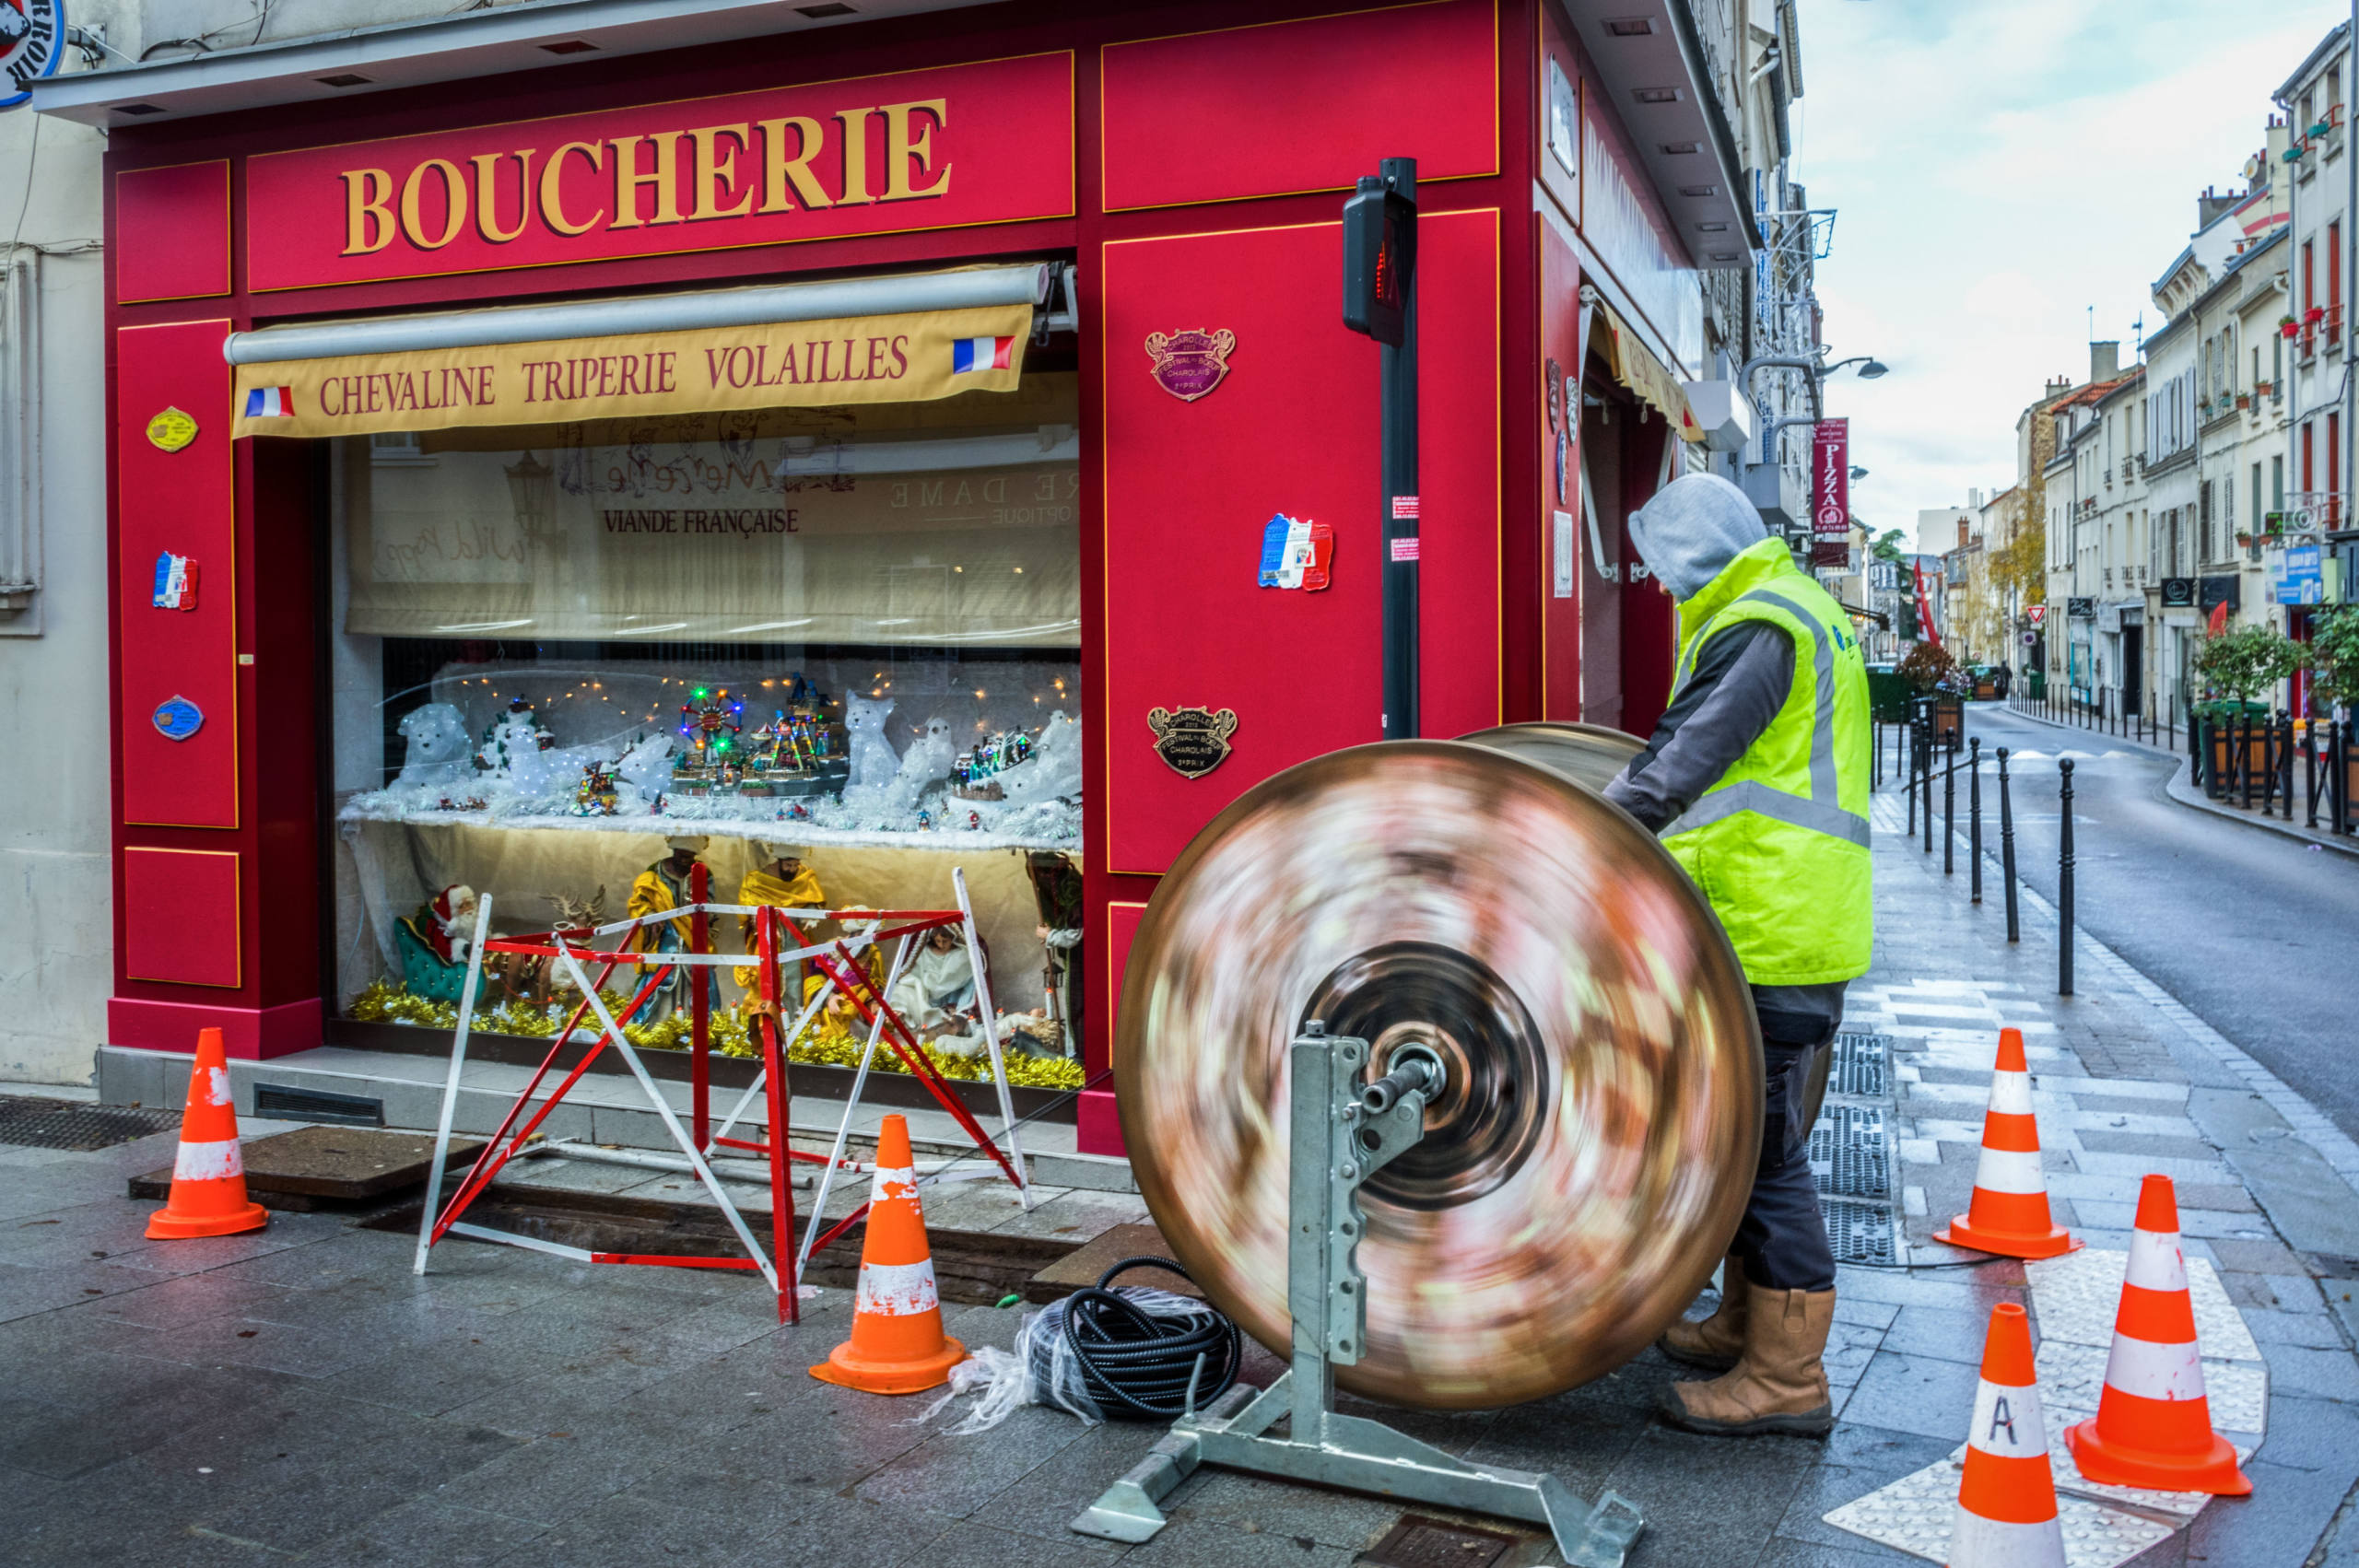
[1782, 1238]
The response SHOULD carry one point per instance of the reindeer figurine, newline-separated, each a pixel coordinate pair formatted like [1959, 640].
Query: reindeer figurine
[575, 918]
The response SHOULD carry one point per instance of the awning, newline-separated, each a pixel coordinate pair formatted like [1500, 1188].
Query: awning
[871, 339]
[1635, 366]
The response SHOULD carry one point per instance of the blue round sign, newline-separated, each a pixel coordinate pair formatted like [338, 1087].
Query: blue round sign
[176, 719]
[32, 37]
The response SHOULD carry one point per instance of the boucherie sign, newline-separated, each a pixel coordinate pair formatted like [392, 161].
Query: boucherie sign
[963, 145]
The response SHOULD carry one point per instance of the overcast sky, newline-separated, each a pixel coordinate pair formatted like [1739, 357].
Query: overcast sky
[1998, 167]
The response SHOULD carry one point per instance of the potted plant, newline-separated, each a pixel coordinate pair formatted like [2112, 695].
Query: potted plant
[1931, 669]
[2315, 314]
[2334, 672]
[2287, 326]
[2237, 666]
[2243, 400]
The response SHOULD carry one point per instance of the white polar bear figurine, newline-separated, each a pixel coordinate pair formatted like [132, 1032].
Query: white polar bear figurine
[928, 761]
[440, 747]
[874, 760]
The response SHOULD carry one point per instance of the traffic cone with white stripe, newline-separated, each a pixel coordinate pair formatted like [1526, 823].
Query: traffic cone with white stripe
[208, 1195]
[2009, 1213]
[2153, 1423]
[2006, 1498]
[897, 1344]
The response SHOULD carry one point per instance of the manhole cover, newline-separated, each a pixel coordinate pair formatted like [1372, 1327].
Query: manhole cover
[35, 1123]
[1849, 1156]
[1862, 1065]
[1419, 1542]
[1859, 1233]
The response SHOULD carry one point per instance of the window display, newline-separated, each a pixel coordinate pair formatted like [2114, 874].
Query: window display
[804, 647]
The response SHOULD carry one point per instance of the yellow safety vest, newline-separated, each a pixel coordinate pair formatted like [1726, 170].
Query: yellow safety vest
[1779, 845]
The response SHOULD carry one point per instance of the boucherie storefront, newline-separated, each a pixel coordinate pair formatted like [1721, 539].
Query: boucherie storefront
[827, 460]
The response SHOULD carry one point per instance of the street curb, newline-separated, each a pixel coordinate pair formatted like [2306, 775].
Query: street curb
[2179, 787]
[2308, 1123]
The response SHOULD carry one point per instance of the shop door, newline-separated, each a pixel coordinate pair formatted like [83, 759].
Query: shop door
[2133, 669]
[1290, 431]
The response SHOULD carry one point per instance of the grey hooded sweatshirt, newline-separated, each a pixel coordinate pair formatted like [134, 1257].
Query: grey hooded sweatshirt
[1687, 535]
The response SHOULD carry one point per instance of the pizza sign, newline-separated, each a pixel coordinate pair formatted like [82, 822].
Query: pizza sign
[31, 35]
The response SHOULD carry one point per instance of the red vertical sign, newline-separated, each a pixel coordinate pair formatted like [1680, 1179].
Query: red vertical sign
[1830, 466]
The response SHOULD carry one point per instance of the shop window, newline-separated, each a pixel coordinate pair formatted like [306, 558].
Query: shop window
[843, 639]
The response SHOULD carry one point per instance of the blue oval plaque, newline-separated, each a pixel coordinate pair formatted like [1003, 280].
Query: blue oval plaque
[176, 718]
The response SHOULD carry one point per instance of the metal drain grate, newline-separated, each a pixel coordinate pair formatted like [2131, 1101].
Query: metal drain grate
[35, 1123]
[1860, 1233]
[1851, 1152]
[1862, 1065]
[1420, 1542]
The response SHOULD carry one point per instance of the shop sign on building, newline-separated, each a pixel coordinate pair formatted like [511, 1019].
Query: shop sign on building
[2297, 579]
[2080, 608]
[1830, 466]
[964, 144]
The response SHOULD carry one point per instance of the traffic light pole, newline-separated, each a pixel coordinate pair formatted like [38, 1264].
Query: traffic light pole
[1398, 369]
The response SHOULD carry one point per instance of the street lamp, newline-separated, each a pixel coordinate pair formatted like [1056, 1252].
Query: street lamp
[1857, 474]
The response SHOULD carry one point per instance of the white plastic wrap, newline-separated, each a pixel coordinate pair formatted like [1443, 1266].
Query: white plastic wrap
[1042, 1369]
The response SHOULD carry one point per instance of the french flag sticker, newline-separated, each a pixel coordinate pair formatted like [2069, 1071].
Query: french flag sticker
[981, 354]
[270, 402]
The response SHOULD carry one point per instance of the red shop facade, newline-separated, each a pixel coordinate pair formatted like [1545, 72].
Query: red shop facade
[356, 586]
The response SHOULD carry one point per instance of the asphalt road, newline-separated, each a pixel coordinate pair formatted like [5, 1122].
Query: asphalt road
[2256, 933]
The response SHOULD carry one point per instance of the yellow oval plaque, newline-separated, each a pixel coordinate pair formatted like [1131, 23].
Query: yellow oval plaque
[172, 430]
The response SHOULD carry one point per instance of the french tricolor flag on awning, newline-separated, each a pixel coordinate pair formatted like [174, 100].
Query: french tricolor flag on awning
[270, 402]
[981, 354]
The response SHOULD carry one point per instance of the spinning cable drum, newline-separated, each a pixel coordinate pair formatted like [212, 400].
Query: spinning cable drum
[1584, 1165]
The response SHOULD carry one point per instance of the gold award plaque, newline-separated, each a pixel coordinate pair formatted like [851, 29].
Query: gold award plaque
[1194, 741]
[172, 430]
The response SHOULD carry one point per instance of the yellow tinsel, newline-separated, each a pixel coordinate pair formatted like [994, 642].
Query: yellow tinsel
[827, 1040]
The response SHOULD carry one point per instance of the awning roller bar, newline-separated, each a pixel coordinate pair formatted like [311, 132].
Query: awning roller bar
[1027, 284]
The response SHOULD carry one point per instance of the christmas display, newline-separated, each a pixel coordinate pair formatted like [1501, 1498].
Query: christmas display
[737, 756]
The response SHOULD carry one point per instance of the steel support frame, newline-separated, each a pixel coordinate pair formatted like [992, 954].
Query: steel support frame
[1338, 1141]
[698, 1148]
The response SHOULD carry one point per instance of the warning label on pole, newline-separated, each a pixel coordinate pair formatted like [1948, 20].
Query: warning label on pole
[1404, 505]
[1405, 549]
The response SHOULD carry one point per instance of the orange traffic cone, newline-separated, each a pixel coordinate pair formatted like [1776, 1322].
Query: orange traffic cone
[2006, 1500]
[2153, 1423]
[208, 1197]
[897, 1344]
[2009, 1213]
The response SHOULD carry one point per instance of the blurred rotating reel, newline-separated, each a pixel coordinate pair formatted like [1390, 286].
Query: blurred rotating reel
[1586, 1165]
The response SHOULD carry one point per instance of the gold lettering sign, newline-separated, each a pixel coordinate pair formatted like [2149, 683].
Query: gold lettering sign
[172, 430]
[689, 175]
[901, 358]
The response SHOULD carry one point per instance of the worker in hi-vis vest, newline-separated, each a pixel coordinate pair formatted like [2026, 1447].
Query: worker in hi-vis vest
[1756, 780]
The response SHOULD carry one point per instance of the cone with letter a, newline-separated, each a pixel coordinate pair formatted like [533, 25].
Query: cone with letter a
[208, 1197]
[2153, 1423]
[897, 1344]
[2006, 1498]
[2009, 1213]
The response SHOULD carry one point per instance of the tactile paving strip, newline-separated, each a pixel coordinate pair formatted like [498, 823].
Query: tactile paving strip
[1851, 1152]
[2079, 1294]
[1915, 1514]
[2071, 1378]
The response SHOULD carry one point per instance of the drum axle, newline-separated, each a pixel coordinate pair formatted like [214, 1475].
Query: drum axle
[1341, 1134]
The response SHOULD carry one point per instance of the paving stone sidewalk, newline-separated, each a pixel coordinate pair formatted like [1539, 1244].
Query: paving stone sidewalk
[300, 1397]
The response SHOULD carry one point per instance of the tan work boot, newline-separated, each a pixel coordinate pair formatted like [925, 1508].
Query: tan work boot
[1715, 1343]
[1779, 1383]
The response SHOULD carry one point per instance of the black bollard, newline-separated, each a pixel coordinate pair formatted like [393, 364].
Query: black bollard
[1974, 817]
[1931, 751]
[2007, 849]
[2285, 763]
[1949, 812]
[2064, 878]
[2310, 774]
[1908, 773]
